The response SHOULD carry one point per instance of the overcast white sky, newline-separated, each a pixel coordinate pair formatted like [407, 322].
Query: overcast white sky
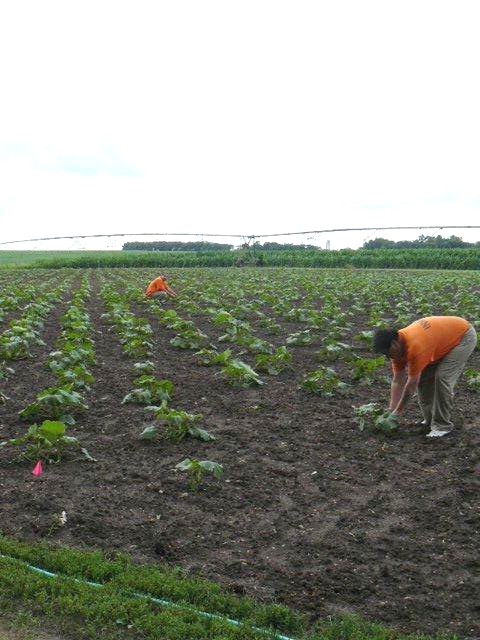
[237, 117]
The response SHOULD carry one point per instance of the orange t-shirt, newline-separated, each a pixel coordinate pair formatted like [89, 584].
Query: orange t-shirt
[428, 340]
[156, 286]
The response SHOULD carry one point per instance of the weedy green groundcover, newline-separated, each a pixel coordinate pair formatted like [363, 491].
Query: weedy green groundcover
[124, 605]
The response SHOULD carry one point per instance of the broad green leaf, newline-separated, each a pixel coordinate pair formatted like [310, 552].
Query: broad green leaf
[149, 433]
[52, 428]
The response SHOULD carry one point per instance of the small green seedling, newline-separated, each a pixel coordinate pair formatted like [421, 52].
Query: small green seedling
[258, 346]
[275, 363]
[189, 339]
[300, 339]
[197, 470]
[324, 381]
[148, 390]
[372, 416]
[366, 337]
[239, 373]
[332, 350]
[47, 442]
[144, 367]
[209, 357]
[366, 369]
[55, 403]
[180, 424]
[78, 376]
[270, 325]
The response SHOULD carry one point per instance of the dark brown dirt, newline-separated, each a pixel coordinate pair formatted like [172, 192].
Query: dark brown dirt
[310, 512]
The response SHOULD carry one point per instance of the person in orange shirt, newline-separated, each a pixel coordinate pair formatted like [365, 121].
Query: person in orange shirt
[427, 357]
[158, 287]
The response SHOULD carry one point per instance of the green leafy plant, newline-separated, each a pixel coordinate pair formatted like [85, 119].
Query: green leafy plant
[16, 344]
[197, 469]
[366, 337]
[189, 339]
[238, 373]
[256, 345]
[144, 367]
[332, 350]
[69, 356]
[300, 339]
[274, 363]
[181, 325]
[473, 379]
[270, 325]
[150, 391]
[324, 381]
[238, 332]
[166, 316]
[222, 318]
[299, 314]
[179, 425]
[47, 442]
[56, 403]
[209, 357]
[372, 416]
[78, 376]
[366, 369]
[138, 347]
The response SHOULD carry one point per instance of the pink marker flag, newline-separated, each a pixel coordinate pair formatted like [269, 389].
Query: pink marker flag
[37, 471]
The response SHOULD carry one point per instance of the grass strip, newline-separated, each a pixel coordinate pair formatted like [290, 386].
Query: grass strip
[114, 612]
[120, 575]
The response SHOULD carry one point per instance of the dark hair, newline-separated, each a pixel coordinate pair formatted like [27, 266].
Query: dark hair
[382, 340]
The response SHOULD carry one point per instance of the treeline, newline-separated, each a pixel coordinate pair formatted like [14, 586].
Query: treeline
[176, 246]
[277, 246]
[422, 242]
[211, 246]
[468, 258]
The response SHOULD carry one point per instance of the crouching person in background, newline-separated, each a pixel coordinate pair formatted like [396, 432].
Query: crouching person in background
[159, 287]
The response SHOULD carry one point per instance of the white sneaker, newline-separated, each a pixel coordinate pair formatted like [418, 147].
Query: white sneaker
[438, 433]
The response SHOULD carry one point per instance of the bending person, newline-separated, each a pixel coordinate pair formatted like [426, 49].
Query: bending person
[427, 357]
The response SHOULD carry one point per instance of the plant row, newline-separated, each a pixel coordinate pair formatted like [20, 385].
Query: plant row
[155, 395]
[54, 408]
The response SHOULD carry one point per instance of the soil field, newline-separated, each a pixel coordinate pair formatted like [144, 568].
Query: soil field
[310, 512]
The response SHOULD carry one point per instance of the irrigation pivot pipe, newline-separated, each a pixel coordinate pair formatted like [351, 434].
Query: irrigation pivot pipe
[238, 235]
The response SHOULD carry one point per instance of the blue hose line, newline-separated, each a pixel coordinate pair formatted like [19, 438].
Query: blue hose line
[143, 596]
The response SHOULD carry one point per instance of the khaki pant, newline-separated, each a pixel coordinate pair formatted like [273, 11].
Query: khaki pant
[435, 389]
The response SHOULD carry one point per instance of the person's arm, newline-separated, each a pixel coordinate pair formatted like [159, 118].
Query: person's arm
[408, 391]
[396, 389]
[170, 292]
